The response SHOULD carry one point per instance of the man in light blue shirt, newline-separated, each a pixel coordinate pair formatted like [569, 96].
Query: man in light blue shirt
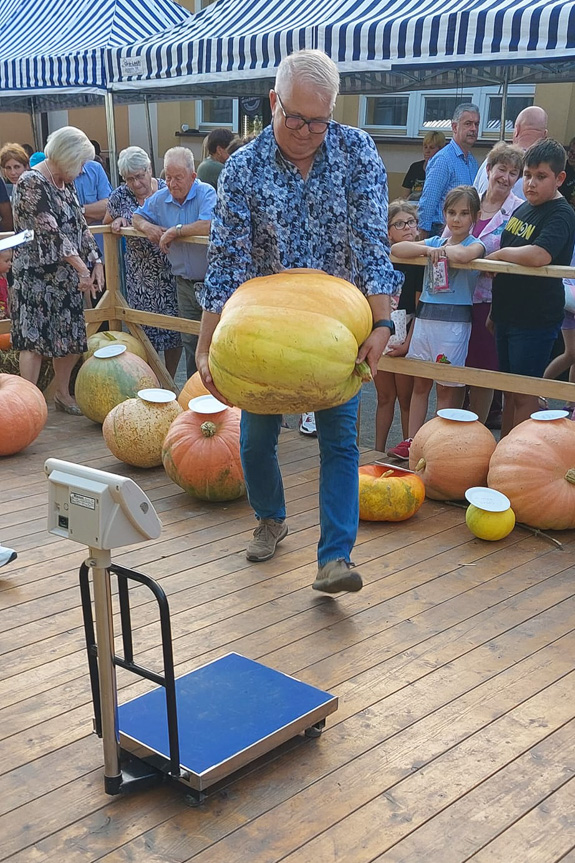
[93, 189]
[182, 209]
[450, 167]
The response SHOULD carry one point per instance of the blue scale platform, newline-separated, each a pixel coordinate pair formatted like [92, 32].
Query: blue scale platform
[230, 712]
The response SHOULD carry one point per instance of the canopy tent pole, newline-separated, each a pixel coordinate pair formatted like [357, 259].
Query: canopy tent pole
[150, 136]
[111, 127]
[504, 89]
[36, 125]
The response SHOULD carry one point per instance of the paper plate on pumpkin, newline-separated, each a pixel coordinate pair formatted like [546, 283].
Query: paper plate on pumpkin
[546, 416]
[488, 499]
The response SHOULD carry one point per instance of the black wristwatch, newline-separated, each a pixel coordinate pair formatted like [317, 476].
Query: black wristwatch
[385, 323]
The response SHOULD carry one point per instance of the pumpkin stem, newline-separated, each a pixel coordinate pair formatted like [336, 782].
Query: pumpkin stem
[570, 475]
[387, 473]
[208, 429]
[420, 464]
[363, 371]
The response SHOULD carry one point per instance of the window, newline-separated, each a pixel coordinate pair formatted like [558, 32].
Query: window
[212, 113]
[439, 110]
[386, 111]
[514, 106]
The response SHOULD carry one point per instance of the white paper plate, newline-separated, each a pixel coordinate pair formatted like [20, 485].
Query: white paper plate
[157, 396]
[206, 405]
[549, 415]
[488, 499]
[110, 351]
[458, 415]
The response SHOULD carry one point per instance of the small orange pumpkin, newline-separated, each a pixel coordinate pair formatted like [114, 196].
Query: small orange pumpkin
[201, 453]
[5, 341]
[534, 465]
[24, 412]
[191, 390]
[388, 494]
[451, 456]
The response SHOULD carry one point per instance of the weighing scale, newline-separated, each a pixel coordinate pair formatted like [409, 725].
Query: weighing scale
[197, 728]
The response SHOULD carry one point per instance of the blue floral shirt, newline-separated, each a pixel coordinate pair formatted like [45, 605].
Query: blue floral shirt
[268, 218]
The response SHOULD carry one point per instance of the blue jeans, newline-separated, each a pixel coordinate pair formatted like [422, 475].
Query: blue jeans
[524, 351]
[338, 477]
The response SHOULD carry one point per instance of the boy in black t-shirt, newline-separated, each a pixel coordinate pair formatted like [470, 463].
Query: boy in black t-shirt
[527, 311]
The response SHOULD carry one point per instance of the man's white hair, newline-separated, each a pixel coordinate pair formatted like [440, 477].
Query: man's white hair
[309, 67]
[180, 155]
[69, 148]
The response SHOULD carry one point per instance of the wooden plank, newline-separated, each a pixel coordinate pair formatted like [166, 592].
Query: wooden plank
[497, 805]
[546, 833]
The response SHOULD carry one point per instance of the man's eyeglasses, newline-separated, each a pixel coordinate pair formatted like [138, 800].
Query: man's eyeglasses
[295, 122]
[400, 224]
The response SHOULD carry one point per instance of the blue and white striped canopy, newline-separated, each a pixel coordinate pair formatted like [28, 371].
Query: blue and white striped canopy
[59, 46]
[378, 44]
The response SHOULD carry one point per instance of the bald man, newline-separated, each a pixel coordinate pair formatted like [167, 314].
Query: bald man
[530, 127]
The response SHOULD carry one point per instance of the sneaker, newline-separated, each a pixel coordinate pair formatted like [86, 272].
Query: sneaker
[7, 555]
[401, 451]
[337, 575]
[267, 535]
[307, 424]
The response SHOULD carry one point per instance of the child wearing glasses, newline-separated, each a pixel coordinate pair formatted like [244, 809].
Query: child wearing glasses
[401, 226]
[443, 318]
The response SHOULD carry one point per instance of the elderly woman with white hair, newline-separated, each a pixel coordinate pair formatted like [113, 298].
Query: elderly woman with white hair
[54, 271]
[150, 285]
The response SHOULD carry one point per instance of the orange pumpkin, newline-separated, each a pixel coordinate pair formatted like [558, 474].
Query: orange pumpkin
[388, 494]
[191, 390]
[534, 465]
[201, 453]
[23, 411]
[5, 341]
[451, 456]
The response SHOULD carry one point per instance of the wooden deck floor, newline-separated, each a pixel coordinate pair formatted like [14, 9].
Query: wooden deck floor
[454, 739]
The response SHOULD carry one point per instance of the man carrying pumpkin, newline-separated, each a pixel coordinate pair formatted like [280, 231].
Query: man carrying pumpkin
[307, 192]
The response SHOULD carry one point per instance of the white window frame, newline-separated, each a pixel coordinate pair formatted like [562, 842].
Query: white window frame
[385, 130]
[204, 126]
[414, 127]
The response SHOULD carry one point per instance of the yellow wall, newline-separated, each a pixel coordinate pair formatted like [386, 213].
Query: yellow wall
[16, 129]
[559, 102]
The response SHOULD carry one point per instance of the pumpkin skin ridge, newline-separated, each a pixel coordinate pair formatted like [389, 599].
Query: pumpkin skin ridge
[449, 468]
[294, 290]
[27, 416]
[541, 497]
[388, 495]
[192, 460]
[301, 329]
[99, 388]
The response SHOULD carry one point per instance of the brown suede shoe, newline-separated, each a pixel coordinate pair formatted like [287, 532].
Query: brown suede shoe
[337, 575]
[267, 535]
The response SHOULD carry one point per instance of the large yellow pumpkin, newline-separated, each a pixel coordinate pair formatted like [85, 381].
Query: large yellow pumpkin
[135, 429]
[23, 413]
[115, 337]
[288, 342]
[191, 390]
[534, 465]
[388, 494]
[451, 456]
[201, 453]
[105, 381]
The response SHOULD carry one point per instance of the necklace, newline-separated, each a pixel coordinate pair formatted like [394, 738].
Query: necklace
[45, 162]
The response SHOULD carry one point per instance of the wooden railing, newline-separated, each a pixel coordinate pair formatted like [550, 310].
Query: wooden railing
[112, 307]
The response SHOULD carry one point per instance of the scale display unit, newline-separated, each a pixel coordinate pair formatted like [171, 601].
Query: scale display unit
[197, 728]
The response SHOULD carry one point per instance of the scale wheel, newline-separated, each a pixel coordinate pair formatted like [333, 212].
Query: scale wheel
[315, 730]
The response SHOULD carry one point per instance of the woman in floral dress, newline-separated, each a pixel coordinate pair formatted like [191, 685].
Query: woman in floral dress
[51, 273]
[150, 285]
